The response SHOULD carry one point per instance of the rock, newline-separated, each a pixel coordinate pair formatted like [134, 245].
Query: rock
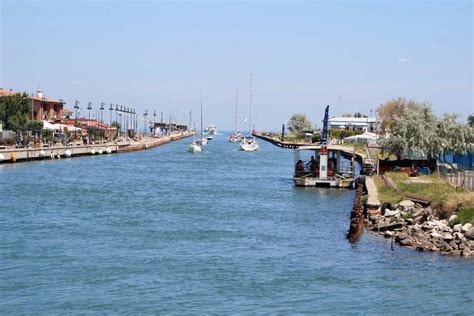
[452, 218]
[425, 246]
[436, 235]
[418, 213]
[407, 204]
[471, 245]
[459, 236]
[428, 211]
[453, 245]
[406, 242]
[457, 228]
[448, 237]
[409, 221]
[466, 227]
[470, 234]
[467, 252]
[389, 213]
[456, 252]
[388, 234]
[461, 246]
[401, 236]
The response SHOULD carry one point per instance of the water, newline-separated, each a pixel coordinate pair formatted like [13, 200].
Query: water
[224, 231]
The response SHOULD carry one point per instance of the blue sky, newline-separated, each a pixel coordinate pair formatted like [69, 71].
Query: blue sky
[158, 55]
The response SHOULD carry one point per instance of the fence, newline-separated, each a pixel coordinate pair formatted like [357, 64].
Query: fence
[458, 177]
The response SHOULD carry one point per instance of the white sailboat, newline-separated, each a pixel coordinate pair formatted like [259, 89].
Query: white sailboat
[236, 136]
[250, 143]
[196, 145]
[202, 140]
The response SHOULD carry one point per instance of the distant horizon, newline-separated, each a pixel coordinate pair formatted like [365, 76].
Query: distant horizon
[157, 56]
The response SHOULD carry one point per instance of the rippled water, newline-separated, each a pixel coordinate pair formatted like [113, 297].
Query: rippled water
[225, 231]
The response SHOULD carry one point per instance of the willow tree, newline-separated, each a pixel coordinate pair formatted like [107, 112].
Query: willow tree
[298, 123]
[396, 108]
[417, 129]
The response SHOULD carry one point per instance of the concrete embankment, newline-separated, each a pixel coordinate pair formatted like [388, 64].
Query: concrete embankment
[11, 155]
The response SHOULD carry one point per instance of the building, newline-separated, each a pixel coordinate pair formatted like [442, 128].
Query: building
[366, 124]
[44, 109]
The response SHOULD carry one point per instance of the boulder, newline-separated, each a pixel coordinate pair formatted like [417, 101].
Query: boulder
[436, 235]
[467, 252]
[389, 213]
[406, 205]
[418, 213]
[452, 218]
[466, 227]
[388, 234]
[470, 233]
[408, 242]
[453, 245]
[448, 237]
[457, 228]
[401, 236]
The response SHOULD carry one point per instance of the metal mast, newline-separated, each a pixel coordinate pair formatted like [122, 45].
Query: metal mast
[251, 96]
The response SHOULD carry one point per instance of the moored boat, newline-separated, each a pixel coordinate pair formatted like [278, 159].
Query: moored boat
[324, 169]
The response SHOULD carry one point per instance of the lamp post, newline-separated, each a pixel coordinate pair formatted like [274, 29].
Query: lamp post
[102, 112]
[111, 108]
[89, 107]
[76, 108]
[116, 118]
[154, 121]
[145, 114]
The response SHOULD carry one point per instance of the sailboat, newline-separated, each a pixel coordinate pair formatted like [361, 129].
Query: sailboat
[202, 140]
[250, 143]
[196, 145]
[236, 136]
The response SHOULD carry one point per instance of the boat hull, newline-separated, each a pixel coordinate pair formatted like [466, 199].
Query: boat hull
[317, 182]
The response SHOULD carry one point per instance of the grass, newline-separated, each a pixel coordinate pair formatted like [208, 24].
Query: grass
[386, 194]
[444, 197]
[466, 215]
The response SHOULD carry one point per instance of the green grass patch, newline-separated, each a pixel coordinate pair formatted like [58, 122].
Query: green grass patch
[386, 194]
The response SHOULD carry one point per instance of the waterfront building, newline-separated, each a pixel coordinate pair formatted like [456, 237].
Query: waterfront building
[365, 124]
[46, 109]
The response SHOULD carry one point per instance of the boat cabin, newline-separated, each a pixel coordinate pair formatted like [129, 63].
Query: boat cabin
[322, 166]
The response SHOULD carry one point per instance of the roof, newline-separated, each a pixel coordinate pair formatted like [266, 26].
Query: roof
[46, 100]
[7, 92]
[338, 120]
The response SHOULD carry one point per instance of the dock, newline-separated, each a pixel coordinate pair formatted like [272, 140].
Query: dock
[12, 155]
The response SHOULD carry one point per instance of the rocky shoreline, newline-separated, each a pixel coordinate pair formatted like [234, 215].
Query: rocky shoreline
[411, 225]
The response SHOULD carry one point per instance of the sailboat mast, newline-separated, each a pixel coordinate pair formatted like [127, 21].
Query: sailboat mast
[201, 114]
[237, 111]
[251, 96]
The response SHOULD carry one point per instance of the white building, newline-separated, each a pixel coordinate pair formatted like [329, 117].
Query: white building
[366, 124]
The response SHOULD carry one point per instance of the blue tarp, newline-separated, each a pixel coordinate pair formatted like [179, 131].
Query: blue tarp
[464, 161]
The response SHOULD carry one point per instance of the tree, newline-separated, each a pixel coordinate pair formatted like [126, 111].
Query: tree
[393, 109]
[298, 123]
[346, 115]
[417, 129]
[470, 120]
[14, 110]
[358, 114]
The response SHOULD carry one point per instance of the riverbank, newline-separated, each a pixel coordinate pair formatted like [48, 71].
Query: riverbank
[12, 155]
[433, 228]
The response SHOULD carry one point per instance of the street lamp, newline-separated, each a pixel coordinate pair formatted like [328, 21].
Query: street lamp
[76, 108]
[111, 108]
[145, 114]
[89, 107]
[102, 112]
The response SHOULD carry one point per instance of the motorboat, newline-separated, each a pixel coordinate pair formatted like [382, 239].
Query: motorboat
[249, 144]
[211, 129]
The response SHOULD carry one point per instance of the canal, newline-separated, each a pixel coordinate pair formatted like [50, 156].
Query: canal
[224, 231]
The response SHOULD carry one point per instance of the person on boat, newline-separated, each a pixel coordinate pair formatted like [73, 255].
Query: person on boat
[299, 166]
